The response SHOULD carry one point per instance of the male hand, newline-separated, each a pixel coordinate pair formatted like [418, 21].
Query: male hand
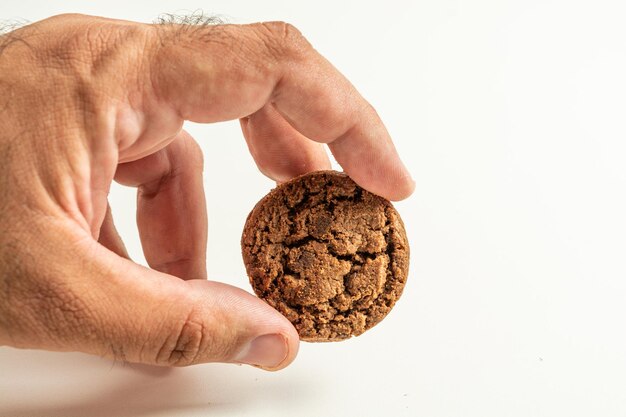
[87, 100]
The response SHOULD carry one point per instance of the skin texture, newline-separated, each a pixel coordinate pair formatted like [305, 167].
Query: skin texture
[88, 100]
[330, 256]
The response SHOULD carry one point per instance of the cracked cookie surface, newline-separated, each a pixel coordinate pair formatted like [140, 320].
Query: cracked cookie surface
[330, 256]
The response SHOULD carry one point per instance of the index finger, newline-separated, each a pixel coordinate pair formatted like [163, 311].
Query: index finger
[231, 71]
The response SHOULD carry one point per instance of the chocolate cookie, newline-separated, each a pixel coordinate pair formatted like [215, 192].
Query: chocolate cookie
[329, 255]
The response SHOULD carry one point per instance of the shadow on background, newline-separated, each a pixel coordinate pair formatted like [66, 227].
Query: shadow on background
[34, 384]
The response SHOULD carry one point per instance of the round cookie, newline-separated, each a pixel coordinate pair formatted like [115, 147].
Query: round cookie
[330, 256]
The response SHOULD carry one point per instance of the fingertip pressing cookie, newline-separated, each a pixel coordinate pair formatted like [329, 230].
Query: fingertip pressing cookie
[330, 256]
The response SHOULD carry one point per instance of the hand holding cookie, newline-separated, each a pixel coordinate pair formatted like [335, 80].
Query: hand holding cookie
[88, 100]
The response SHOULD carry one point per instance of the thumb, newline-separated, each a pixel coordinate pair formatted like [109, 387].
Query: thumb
[141, 315]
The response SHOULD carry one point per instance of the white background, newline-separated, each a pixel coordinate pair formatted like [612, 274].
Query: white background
[510, 115]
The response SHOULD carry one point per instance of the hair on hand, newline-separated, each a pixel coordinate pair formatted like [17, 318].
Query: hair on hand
[195, 18]
[197, 24]
[7, 32]
[7, 26]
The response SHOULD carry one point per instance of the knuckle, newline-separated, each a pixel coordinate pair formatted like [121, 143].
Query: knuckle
[88, 44]
[282, 30]
[65, 17]
[282, 39]
[102, 43]
[193, 152]
[192, 341]
[178, 157]
[184, 345]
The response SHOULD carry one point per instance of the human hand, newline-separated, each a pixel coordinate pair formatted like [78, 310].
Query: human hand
[86, 100]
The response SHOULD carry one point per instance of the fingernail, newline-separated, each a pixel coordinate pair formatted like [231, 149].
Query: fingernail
[267, 352]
